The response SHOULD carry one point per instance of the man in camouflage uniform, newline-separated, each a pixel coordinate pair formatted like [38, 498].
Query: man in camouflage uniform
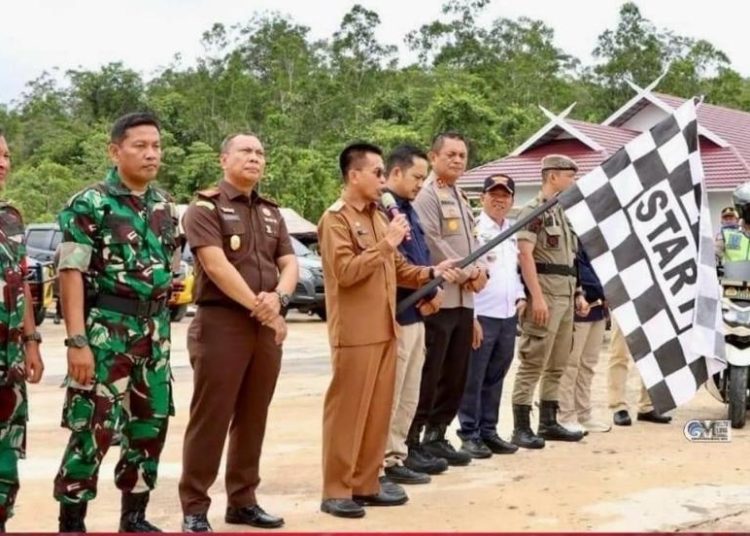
[19, 345]
[116, 267]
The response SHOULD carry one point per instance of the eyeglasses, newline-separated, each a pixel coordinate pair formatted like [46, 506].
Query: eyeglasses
[378, 172]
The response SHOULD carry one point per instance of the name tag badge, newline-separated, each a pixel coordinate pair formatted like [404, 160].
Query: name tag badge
[234, 242]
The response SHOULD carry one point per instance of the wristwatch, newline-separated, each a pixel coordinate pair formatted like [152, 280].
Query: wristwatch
[36, 337]
[284, 299]
[77, 341]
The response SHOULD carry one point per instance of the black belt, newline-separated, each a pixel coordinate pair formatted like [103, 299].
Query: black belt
[130, 306]
[556, 269]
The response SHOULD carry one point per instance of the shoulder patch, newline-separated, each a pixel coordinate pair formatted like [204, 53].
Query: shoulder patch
[205, 204]
[337, 206]
[208, 193]
[267, 201]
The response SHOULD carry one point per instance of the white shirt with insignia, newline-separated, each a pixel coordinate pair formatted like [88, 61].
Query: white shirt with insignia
[498, 298]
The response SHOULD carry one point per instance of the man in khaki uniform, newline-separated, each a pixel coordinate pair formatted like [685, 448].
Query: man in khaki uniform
[620, 362]
[547, 248]
[362, 267]
[448, 223]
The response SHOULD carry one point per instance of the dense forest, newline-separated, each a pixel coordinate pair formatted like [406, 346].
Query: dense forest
[307, 98]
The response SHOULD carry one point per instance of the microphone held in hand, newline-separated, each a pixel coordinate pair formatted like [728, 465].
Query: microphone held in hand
[391, 208]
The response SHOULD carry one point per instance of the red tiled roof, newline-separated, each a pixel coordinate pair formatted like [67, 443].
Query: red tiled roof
[733, 126]
[724, 168]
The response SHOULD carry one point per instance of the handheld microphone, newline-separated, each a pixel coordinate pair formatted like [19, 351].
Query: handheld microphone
[391, 208]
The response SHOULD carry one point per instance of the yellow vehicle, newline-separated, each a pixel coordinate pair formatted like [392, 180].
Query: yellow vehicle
[182, 292]
[41, 277]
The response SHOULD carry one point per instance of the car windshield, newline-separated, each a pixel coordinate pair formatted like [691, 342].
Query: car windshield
[301, 250]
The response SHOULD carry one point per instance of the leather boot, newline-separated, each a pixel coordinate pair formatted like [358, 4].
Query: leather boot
[549, 428]
[436, 444]
[133, 513]
[523, 435]
[72, 517]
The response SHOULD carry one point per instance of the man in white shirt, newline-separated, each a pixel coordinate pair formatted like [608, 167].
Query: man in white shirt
[496, 310]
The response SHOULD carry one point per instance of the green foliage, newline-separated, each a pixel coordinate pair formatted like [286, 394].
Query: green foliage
[306, 98]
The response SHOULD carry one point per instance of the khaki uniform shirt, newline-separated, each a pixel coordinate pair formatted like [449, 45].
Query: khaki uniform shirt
[554, 243]
[361, 272]
[448, 224]
[251, 231]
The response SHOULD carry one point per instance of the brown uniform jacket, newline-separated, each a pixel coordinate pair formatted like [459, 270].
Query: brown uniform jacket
[361, 272]
[251, 231]
[554, 243]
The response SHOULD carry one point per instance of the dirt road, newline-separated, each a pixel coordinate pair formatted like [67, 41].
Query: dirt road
[645, 477]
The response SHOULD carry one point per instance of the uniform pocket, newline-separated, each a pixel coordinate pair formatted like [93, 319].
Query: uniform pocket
[79, 408]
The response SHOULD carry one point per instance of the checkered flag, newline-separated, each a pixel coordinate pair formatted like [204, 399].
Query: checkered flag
[643, 218]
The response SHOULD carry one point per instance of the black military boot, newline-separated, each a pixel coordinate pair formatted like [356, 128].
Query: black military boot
[72, 517]
[2, 526]
[436, 444]
[133, 513]
[523, 435]
[549, 428]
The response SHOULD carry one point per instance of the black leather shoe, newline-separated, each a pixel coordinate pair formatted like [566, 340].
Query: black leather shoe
[421, 461]
[254, 516]
[622, 418]
[196, 523]
[475, 448]
[403, 475]
[654, 416]
[2, 526]
[436, 444]
[342, 508]
[498, 445]
[383, 498]
[389, 487]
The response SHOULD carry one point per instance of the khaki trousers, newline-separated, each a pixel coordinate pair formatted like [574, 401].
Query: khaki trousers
[575, 384]
[356, 414]
[543, 351]
[620, 362]
[410, 359]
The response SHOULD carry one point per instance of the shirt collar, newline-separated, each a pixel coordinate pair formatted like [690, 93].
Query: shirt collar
[402, 202]
[115, 186]
[228, 189]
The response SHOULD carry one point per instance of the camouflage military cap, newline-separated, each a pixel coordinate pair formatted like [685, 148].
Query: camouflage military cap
[558, 161]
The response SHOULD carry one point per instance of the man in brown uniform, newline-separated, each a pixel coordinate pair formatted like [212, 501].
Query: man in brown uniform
[547, 249]
[362, 267]
[245, 272]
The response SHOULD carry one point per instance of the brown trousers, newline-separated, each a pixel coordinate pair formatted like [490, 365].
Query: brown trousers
[236, 364]
[356, 415]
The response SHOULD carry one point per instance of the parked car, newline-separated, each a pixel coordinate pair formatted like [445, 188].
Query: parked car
[41, 277]
[42, 240]
[309, 296]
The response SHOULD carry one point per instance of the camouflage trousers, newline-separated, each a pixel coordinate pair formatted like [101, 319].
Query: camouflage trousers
[13, 417]
[132, 388]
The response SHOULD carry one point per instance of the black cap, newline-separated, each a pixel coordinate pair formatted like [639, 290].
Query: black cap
[499, 181]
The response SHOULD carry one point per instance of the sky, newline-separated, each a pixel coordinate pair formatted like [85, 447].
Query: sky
[39, 35]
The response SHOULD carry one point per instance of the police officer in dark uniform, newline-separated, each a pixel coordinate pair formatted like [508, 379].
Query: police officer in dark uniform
[245, 273]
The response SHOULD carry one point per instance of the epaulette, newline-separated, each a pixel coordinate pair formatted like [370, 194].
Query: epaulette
[337, 206]
[208, 193]
[268, 201]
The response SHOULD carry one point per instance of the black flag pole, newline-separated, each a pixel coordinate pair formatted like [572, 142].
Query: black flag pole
[418, 294]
